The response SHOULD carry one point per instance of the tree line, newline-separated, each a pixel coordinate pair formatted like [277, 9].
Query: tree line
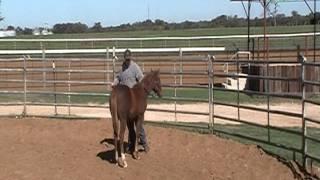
[221, 21]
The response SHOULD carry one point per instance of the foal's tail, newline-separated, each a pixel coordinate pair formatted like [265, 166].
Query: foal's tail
[114, 114]
[114, 111]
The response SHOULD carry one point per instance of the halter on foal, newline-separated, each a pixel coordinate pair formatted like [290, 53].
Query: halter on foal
[128, 106]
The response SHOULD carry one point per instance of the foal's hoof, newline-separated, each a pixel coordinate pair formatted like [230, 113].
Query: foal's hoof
[122, 163]
[135, 155]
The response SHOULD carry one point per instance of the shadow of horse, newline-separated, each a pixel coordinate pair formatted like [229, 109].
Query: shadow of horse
[108, 155]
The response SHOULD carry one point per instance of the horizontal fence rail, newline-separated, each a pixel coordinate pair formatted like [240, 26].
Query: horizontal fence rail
[163, 38]
[134, 50]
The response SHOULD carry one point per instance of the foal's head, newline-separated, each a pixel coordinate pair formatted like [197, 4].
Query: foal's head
[152, 82]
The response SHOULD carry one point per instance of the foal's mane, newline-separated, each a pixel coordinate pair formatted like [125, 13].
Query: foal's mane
[148, 80]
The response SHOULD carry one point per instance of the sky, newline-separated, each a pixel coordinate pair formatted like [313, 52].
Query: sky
[46, 13]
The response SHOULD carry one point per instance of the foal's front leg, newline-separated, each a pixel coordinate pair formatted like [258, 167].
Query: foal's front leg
[122, 161]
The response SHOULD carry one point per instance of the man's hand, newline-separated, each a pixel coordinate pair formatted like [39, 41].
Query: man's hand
[115, 82]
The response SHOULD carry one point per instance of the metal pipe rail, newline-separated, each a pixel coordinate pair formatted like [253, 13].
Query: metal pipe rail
[11, 69]
[114, 50]
[179, 112]
[316, 64]
[11, 80]
[184, 99]
[12, 104]
[11, 92]
[313, 157]
[257, 62]
[256, 124]
[69, 93]
[61, 70]
[57, 59]
[314, 83]
[254, 77]
[66, 105]
[312, 139]
[69, 82]
[286, 113]
[185, 86]
[312, 120]
[312, 102]
[291, 96]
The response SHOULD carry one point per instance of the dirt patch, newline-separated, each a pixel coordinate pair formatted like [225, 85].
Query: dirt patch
[59, 149]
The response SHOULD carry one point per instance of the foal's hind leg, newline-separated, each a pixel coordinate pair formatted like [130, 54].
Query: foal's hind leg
[131, 136]
[139, 121]
[122, 161]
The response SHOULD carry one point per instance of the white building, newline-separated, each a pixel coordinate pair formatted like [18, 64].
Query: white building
[7, 33]
[44, 32]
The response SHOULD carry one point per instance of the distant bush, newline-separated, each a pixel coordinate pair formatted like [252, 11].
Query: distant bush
[70, 28]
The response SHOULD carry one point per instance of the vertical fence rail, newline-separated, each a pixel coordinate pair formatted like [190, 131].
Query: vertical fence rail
[181, 66]
[304, 126]
[238, 87]
[24, 113]
[175, 90]
[210, 89]
[106, 66]
[44, 73]
[268, 97]
[54, 87]
[114, 58]
[69, 88]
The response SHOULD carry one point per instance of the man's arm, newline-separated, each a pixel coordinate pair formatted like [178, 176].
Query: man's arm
[116, 80]
[139, 74]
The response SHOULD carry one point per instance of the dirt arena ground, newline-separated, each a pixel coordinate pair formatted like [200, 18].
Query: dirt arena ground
[52, 149]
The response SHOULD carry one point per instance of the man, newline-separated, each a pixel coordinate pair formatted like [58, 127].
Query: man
[129, 75]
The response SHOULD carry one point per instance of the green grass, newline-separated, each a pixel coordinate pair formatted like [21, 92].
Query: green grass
[230, 44]
[180, 32]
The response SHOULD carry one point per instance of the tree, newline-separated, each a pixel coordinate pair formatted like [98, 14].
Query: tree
[295, 17]
[10, 28]
[97, 27]
[295, 14]
[70, 28]
[27, 31]
[313, 16]
[273, 10]
[19, 30]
